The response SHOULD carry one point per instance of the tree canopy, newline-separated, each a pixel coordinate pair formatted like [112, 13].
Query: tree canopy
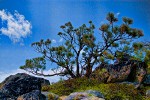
[82, 48]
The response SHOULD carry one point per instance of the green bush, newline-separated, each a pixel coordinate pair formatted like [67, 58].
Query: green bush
[111, 91]
[71, 85]
[45, 88]
[51, 97]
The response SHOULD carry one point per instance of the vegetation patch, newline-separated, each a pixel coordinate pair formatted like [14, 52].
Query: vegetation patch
[1, 85]
[111, 91]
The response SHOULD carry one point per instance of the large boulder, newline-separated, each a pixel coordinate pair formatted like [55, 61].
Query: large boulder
[127, 70]
[119, 76]
[19, 84]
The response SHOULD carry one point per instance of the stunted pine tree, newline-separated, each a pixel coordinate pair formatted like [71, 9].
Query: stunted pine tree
[82, 48]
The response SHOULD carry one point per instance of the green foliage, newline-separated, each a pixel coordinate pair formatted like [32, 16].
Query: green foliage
[51, 97]
[127, 20]
[35, 64]
[82, 49]
[1, 84]
[103, 71]
[45, 88]
[142, 53]
[147, 57]
[110, 91]
[69, 86]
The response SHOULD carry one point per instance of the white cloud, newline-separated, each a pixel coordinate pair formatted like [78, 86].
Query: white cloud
[17, 27]
[117, 14]
[54, 41]
[51, 79]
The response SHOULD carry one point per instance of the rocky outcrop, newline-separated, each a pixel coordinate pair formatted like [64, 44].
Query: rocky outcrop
[22, 85]
[127, 70]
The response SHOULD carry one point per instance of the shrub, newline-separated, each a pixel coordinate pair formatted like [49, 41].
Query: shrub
[111, 91]
[45, 88]
[51, 97]
[71, 85]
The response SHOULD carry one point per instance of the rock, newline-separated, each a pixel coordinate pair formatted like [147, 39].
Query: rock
[101, 74]
[147, 80]
[20, 84]
[126, 70]
[119, 76]
[62, 97]
[50, 96]
[87, 95]
[77, 96]
[34, 95]
[44, 82]
[141, 73]
[4, 97]
[148, 93]
[95, 93]
[45, 94]
[135, 84]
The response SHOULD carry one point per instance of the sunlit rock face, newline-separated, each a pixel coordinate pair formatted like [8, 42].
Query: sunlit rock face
[125, 70]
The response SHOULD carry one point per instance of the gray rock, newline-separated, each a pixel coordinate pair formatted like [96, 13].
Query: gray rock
[21, 83]
[3, 96]
[44, 82]
[87, 95]
[52, 95]
[34, 95]
[126, 70]
[95, 93]
[78, 96]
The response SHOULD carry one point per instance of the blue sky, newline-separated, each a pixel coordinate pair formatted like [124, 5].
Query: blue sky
[42, 18]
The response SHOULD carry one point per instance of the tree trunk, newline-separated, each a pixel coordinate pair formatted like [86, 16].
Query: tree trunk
[88, 71]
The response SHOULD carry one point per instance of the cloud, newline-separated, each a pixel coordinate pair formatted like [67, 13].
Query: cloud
[5, 75]
[54, 41]
[16, 28]
[117, 14]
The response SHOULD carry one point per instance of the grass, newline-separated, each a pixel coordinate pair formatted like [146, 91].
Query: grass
[1, 85]
[111, 91]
